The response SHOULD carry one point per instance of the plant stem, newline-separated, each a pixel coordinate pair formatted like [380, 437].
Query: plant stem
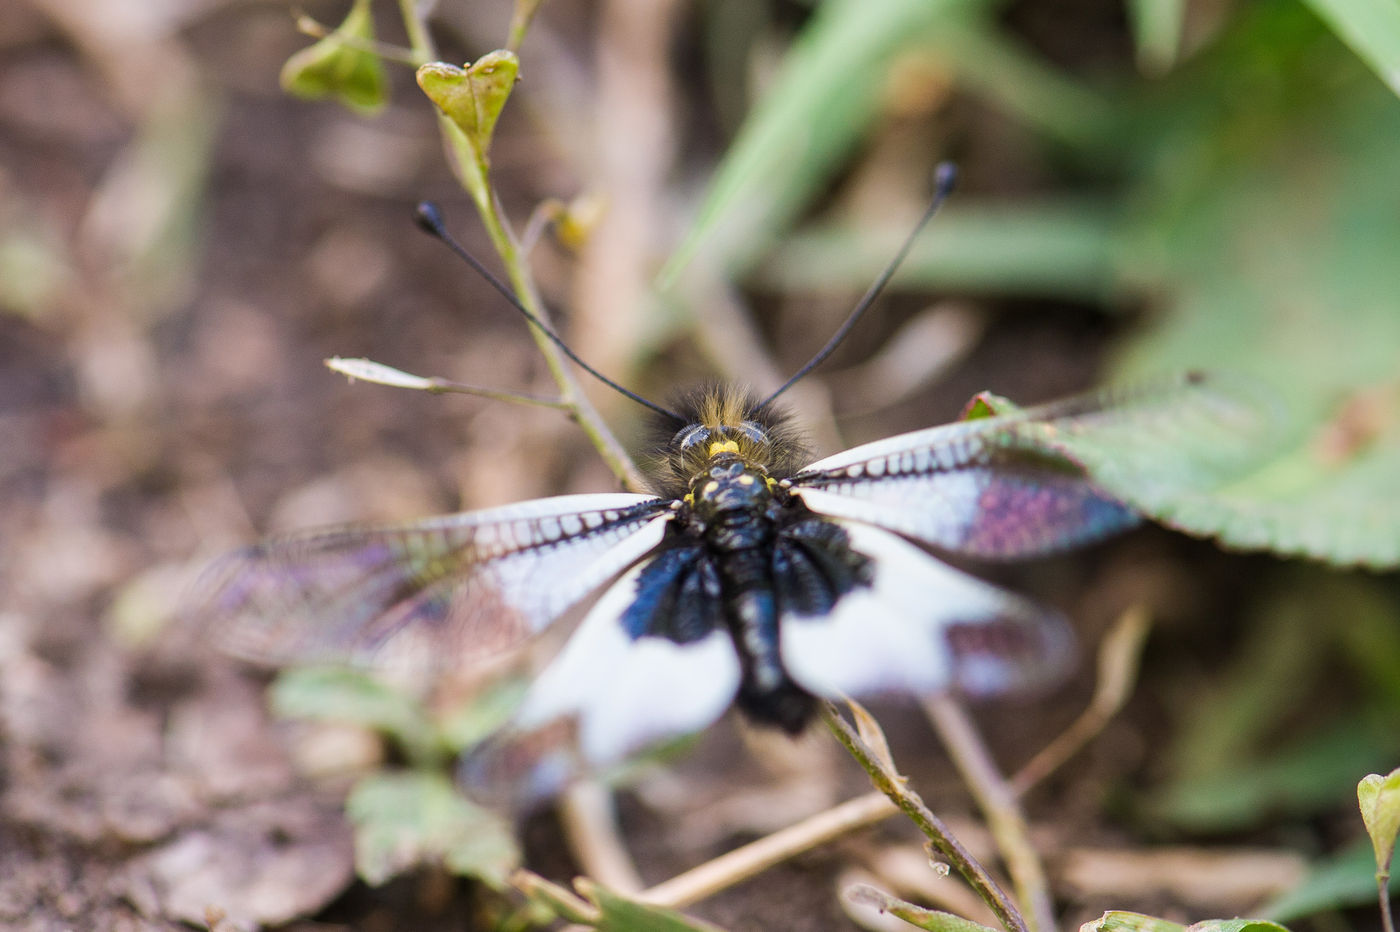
[520, 22]
[385, 50]
[997, 800]
[580, 408]
[473, 170]
[589, 821]
[894, 787]
[420, 40]
[751, 859]
[1383, 884]
[1119, 655]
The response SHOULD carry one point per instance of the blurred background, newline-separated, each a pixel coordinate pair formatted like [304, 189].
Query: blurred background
[1147, 186]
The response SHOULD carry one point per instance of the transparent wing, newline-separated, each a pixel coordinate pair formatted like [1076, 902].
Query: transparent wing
[923, 627]
[426, 594]
[993, 487]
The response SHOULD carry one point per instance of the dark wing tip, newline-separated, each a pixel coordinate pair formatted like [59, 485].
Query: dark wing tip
[1012, 654]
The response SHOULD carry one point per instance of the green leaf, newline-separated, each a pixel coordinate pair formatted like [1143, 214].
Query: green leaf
[338, 694]
[1344, 880]
[470, 101]
[987, 404]
[1170, 449]
[1123, 921]
[1120, 921]
[931, 919]
[345, 70]
[469, 723]
[1379, 800]
[1235, 925]
[620, 914]
[472, 97]
[1371, 29]
[403, 820]
[1279, 259]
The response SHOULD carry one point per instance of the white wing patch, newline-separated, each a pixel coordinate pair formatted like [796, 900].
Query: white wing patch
[923, 627]
[625, 694]
[937, 511]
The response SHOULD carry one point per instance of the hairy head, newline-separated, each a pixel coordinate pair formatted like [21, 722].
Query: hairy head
[718, 418]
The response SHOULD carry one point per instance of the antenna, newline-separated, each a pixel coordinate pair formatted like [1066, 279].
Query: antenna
[944, 178]
[430, 221]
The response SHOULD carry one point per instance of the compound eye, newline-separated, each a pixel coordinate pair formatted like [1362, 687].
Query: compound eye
[752, 432]
[696, 435]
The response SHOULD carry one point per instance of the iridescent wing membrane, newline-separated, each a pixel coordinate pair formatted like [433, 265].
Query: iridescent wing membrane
[428, 594]
[978, 488]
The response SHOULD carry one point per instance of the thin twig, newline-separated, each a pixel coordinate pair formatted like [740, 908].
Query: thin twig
[385, 50]
[893, 786]
[999, 806]
[590, 825]
[441, 386]
[754, 858]
[520, 22]
[564, 903]
[1117, 673]
[415, 23]
[581, 409]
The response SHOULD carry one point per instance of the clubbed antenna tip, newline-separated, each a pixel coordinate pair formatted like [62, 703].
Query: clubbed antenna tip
[945, 176]
[429, 218]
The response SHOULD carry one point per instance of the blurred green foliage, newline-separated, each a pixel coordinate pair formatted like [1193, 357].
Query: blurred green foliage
[1245, 192]
[1247, 197]
[1120, 921]
[1345, 879]
[411, 818]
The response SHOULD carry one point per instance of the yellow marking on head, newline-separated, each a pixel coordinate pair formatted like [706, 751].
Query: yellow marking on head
[723, 446]
[710, 488]
[746, 479]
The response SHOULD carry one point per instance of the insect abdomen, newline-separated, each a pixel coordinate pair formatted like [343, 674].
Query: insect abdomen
[766, 693]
